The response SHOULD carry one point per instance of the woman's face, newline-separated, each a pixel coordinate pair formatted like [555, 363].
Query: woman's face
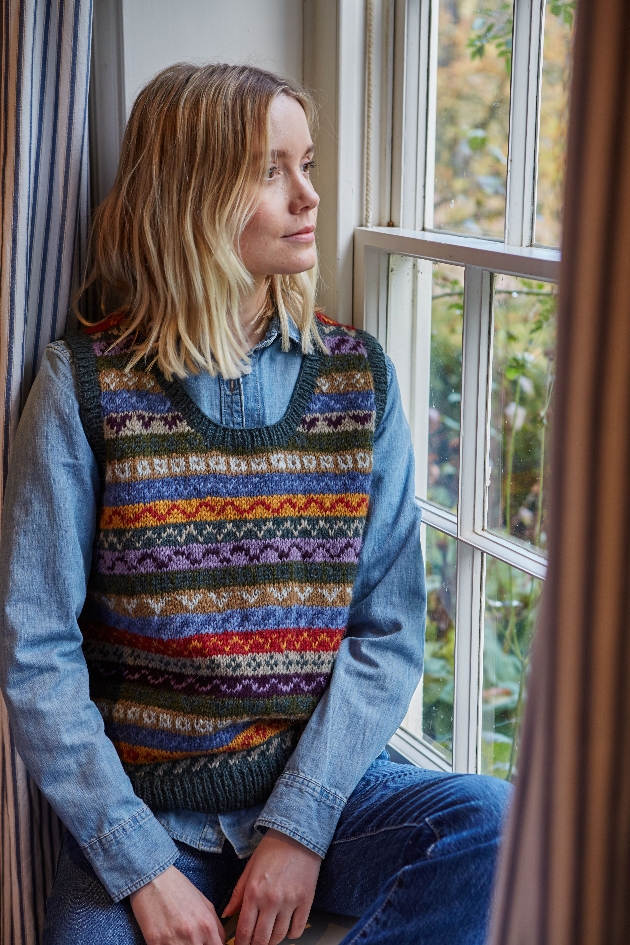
[279, 239]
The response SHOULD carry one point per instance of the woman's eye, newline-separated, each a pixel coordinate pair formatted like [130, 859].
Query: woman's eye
[271, 171]
[307, 168]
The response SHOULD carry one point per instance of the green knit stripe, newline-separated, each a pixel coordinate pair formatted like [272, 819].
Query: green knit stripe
[181, 534]
[164, 582]
[123, 448]
[283, 707]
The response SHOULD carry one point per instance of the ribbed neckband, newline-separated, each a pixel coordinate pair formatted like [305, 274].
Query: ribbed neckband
[247, 439]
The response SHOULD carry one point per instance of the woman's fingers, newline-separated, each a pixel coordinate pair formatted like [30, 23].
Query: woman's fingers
[264, 927]
[236, 899]
[247, 921]
[299, 920]
[170, 909]
[216, 928]
[281, 927]
[277, 889]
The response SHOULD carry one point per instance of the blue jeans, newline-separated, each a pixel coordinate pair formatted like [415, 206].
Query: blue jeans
[414, 855]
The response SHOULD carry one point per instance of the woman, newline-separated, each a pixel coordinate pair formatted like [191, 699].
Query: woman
[202, 522]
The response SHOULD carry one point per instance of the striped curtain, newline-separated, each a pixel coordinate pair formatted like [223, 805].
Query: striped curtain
[44, 216]
[565, 872]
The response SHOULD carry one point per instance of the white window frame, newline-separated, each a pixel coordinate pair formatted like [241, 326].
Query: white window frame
[384, 306]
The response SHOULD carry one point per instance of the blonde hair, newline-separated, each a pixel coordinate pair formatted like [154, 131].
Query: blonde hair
[165, 241]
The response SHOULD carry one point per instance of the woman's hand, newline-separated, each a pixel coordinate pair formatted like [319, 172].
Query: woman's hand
[171, 911]
[275, 891]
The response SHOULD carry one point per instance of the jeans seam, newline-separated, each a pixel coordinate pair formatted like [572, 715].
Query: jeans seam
[438, 837]
[394, 888]
[371, 781]
[374, 833]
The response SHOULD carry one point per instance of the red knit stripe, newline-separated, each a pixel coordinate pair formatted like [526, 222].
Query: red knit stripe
[110, 321]
[298, 640]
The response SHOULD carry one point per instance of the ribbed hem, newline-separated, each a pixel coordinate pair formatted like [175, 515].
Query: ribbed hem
[218, 783]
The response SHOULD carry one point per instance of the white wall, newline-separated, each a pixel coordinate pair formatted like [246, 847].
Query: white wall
[157, 33]
[334, 46]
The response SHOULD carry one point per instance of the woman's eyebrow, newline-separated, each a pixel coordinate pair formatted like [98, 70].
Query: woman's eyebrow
[282, 154]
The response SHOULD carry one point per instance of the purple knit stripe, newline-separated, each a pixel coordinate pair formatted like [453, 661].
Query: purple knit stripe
[119, 422]
[244, 687]
[334, 421]
[230, 554]
[105, 347]
[346, 344]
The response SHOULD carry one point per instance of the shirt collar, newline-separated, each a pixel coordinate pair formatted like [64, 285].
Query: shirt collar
[273, 331]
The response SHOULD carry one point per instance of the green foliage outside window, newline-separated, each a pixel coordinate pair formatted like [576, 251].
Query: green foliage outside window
[472, 116]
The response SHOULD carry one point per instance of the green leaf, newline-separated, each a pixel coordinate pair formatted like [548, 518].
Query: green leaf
[477, 139]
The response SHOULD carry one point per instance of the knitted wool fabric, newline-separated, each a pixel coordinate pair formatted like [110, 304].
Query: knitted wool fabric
[223, 566]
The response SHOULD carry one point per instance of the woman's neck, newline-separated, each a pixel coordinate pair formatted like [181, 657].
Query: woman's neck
[250, 312]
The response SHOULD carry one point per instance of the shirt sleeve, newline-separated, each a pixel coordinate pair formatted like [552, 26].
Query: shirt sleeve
[379, 663]
[46, 543]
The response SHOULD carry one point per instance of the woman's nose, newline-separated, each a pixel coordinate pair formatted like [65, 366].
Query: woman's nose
[304, 196]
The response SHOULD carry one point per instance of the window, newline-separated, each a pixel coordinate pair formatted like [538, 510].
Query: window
[459, 285]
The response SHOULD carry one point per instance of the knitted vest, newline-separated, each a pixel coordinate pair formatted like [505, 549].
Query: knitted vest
[223, 566]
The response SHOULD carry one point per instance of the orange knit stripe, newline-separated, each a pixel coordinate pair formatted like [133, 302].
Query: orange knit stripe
[254, 735]
[214, 509]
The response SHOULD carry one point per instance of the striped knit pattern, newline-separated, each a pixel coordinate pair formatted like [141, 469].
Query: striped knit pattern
[223, 567]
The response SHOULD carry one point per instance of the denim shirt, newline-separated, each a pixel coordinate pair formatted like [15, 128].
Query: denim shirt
[48, 530]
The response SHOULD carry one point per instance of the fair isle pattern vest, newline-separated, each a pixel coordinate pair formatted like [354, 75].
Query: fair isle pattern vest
[223, 565]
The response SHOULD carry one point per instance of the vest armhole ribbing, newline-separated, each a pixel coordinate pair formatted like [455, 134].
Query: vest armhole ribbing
[378, 367]
[89, 393]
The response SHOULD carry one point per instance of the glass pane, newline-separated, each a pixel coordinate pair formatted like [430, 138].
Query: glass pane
[472, 115]
[554, 114]
[521, 403]
[445, 384]
[510, 610]
[431, 712]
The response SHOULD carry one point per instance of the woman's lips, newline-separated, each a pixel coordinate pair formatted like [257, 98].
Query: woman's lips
[305, 235]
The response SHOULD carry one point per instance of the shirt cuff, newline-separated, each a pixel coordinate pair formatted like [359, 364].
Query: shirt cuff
[131, 854]
[303, 809]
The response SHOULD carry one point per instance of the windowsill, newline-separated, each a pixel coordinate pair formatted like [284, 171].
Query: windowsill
[407, 748]
[465, 250]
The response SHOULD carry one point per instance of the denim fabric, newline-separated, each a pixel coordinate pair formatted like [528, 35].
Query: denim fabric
[45, 553]
[413, 854]
[80, 911]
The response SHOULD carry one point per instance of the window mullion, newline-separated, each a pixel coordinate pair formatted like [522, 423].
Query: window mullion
[475, 362]
[428, 95]
[468, 655]
[409, 147]
[472, 484]
[524, 119]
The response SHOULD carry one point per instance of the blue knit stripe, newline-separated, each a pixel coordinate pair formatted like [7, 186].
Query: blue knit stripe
[257, 618]
[351, 400]
[224, 486]
[122, 401]
[173, 741]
